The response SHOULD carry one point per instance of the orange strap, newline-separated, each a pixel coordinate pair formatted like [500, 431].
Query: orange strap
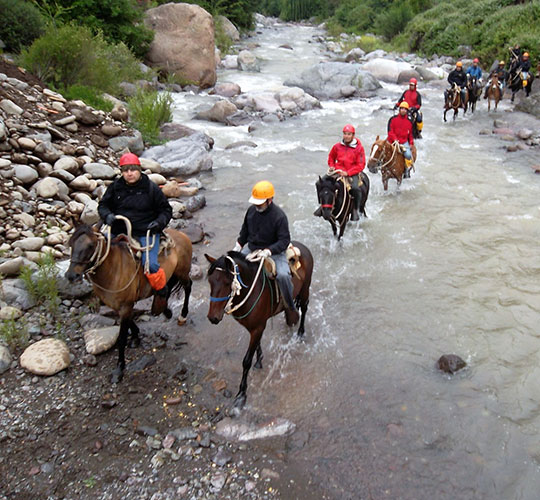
[157, 280]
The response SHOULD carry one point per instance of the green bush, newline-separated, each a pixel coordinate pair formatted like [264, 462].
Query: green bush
[148, 110]
[21, 23]
[42, 284]
[14, 332]
[393, 21]
[222, 40]
[72, 55]
[89, 96]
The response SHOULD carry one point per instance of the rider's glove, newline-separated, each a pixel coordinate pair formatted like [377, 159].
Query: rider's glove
[237, 247]
[109, 220]
[265, 253]
[257, 255]
[153, 227]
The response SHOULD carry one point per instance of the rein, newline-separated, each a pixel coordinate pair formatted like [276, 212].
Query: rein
[236, 287]
[395, 147]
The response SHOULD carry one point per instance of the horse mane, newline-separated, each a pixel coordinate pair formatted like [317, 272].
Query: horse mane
[222, 261]
[82, 229]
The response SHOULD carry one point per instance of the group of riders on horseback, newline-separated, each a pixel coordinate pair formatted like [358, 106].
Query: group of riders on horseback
[466, 87]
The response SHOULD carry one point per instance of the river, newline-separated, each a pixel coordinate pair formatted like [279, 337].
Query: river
[447, 263]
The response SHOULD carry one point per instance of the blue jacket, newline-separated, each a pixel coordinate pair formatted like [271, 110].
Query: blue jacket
[475, 72]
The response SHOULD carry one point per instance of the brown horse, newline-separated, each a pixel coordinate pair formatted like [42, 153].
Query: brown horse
[387, 158]
[118, 278]
[453, 101]
[494, 92]
[243, 289]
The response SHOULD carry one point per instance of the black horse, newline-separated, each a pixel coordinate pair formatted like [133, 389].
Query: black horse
[518, 80]
[475, 91]
[337, 202]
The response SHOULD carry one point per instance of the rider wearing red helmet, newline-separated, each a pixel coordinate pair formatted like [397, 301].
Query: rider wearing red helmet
[475, 70]
[349, 159]
[413, 98]
[137, 198]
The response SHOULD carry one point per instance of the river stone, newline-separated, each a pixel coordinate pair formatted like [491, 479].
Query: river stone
[99, 171]
[14, 292]
[75, 207]
[152, 165]
[406, 75]
[194, 232]
[133, 142]
[157, 179]
[120, 112]
[32, 244]
[524, 133]
[26, 143]
[83, 183]
[47, 152]
[450, 363]
[248, 62]
[230, 61]
[196, 203]
[54, 96]
[25, 174]
[5, 358]
[10, 312]
[218, 112]
[86, 116]
[10, 107]
[3, 132]
[178, 209]
[354, 55]
[173, 190]
[12, 267]
[25, 219]
[67, 163]
[227, 89]
[99, 340]
[111, 130]
[45, 357]
[4, 163]
[426, 74]
[65, 121]
[90, 213]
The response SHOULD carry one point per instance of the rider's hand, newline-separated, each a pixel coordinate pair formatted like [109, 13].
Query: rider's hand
[342, 173]
[109, 220]
[254, 256]
[265, 253]
[237, 247]
[153, 227]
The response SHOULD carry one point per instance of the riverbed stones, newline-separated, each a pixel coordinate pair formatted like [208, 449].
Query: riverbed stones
[10, 313]
[31, 244]
[45, 357]
[450, 363]
[218, 112]
[5, 358]
[10, 108]
[25, 174]
[100, 340]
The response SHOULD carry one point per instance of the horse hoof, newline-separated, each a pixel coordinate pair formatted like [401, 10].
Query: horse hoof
[167, 313]
[258, 365]
[134, 342]
[117, 376]
[181, 320]
[239, 402]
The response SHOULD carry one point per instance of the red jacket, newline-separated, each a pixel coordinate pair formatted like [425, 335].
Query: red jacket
[400, 129]
[412, 98]
[350, 159]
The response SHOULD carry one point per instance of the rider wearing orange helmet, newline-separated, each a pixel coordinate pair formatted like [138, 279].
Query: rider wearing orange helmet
[349, 159]
[413, 98]
[400, 130]
[457, 77]
[265, 233]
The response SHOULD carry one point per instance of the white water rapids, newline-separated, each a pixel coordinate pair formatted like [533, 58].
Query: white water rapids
[448, 263]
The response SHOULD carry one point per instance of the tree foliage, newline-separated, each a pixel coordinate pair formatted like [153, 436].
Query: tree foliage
[21, 23]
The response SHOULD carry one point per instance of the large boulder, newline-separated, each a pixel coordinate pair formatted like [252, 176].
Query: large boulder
[46, 357]
[183, 42]
[327, 80]
[386, 70]
[229, 28]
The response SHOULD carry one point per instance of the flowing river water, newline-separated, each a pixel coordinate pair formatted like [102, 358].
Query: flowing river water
[448, 263]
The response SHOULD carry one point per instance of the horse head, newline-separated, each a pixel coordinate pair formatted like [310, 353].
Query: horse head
[376, 156]
[327, 193]
[84, 245]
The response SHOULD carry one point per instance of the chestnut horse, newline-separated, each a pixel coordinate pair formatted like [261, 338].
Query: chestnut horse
[388, 158]
[494, 92]
[337, 201]
[119, 281]
[244, 290]
[453, 101]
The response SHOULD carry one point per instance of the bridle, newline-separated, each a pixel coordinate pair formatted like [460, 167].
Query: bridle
[380, 165]
[332, 206]
[236, 287]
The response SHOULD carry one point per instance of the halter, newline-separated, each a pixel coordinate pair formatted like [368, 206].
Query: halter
[330, 173]
[236, 287]
[380, 165]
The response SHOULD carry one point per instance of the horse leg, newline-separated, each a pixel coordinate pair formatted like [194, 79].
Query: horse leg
[444, 114]
[342, 228]
[118, 372]
[303, 310]
[258, 361]
[255, 338]
[185, 308]
[334, 228]
[134, 340]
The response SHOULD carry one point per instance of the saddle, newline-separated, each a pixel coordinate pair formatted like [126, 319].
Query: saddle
[165, 244]
[293, 258]
[332, 172]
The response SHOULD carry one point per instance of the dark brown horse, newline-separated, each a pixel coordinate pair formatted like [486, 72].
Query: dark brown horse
[453, 101]
[118, 278]
[474, 89]
[388, 158]
[243, 289]
[337, 201]
[494, 92]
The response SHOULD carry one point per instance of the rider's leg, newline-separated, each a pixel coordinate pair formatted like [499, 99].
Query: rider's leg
[408, 159]
[419, 124]
[156, 274]
[284, 279]
[356, 194]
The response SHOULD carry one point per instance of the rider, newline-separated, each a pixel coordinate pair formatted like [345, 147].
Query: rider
[348, 159]
[475, 70]
[459, 78]
[265, 233]
[501, 74]
[515, 54]
[413, 98]
[400, 129]
[136, 197]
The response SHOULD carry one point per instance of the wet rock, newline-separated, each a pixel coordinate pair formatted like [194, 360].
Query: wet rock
[5, 358]
[141, 363]
[144, 430]
[226, 89]
[184, 433]
[46, 357]
[245, 431]
[100, 340]
[218, 112]
[450, 363]
[222, 457]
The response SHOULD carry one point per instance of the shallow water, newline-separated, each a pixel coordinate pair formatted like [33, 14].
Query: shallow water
[447, 263]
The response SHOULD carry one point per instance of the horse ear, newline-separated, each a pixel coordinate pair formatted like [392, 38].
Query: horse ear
[377, 138]
[209, 258]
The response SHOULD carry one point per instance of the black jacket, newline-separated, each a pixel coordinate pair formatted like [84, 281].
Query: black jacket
[458, 77]
[141, 203]
[268, 229]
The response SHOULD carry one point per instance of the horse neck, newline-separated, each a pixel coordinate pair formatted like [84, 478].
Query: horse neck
[117, 268]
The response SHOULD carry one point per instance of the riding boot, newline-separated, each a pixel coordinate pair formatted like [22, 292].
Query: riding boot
[158, 281]
[408, 167]
[291, 314]
[318, 212]
[356, 207]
